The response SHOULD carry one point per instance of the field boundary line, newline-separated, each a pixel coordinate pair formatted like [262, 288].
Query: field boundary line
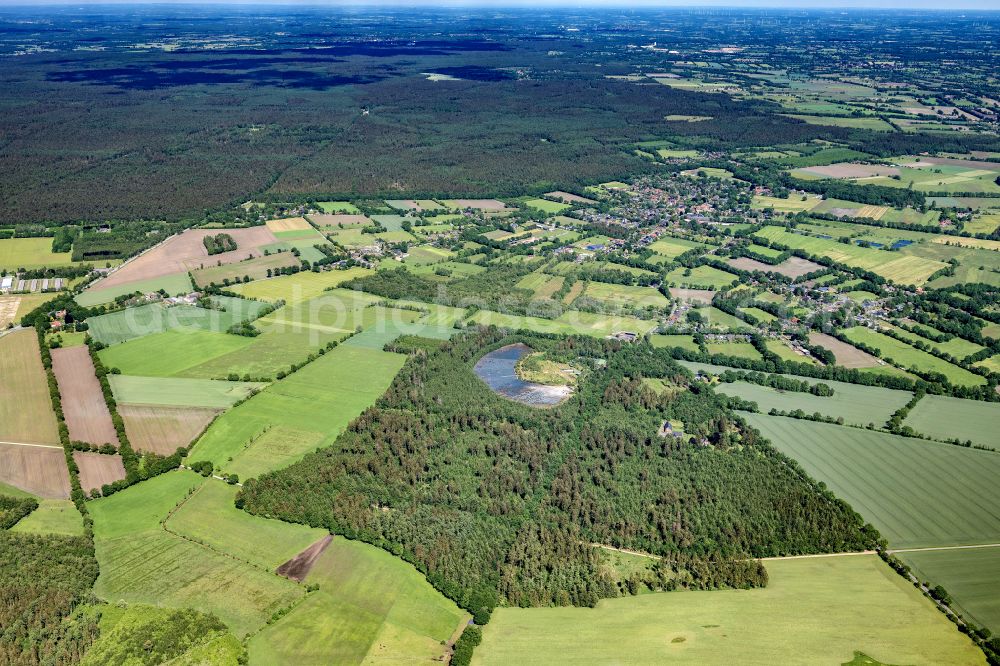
[933, 548]
[762, 559]
[41, 446]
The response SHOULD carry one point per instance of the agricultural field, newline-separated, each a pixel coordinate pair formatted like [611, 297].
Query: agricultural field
[855, 403]
[704, 277]
[255, 269]
[916, 492]
[179, 392]
[845, 354]
[36, 469]
[321, 398]
[793, 203]
[185, 252]
[299, 287]
[786, 353]
[944, 417]
[338, 207]
[153, 318]
[25, 407]
[14, 307]
[829, 608]
[97, 469]
[163, 429]
[53, 516]
[371, 607]
[906, 356]
[546, 206]
[83, 405]
[141, 562]
[737, 349]
[541, 285]
[971, 576]
[209, 516]
[174, 284]
[670, 248]
[896, 267]
[625, 295]
[569, 322]
[172, 353]
[30, 253]
[682, 341]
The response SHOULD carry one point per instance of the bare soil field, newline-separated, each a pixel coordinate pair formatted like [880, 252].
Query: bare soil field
[847, 170]
[163, 429]
[288, 224]
[476, 204]
[87, 416]
[969, 164]
[693, 295]
[40, 470]
[8, 309]
[25, 406]
[846, 355]
[567, 197]
[97, 469]
[748, 264]
[186, 252]
[299, 566]
[794, 267]
[336, 219]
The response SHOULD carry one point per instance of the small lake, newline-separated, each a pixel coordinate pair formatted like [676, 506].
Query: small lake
[497, 370]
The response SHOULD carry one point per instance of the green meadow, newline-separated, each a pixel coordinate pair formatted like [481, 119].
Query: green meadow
[321, 398]
[906, 356]
[815, 610]
[141, 562]
[945, 417]
[371, 607]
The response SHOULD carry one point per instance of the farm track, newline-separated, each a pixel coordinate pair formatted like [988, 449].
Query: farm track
[762, 559]
[930, 548]
[41, 446]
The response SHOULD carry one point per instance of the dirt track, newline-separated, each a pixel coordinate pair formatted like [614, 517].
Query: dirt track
[87, 416]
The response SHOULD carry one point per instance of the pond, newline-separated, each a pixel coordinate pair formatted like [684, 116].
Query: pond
[497, 369]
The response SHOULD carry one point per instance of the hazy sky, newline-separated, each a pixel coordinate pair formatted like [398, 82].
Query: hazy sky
[620, 4]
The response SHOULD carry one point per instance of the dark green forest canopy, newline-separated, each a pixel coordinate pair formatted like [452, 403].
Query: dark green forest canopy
[100, 125]
[43, 578]
[498, 502]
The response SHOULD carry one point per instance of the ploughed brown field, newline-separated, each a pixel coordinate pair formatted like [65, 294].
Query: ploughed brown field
[792, 267]
[847, 355]
[186, 252]
[40, 470]
[163, 429]
[299, 566]
[336, 219]
[87, 416]
[97, 469]
[25, 406]
[693, 295]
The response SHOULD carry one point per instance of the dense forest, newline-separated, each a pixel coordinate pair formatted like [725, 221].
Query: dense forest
[497, 502]
[42, 580]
